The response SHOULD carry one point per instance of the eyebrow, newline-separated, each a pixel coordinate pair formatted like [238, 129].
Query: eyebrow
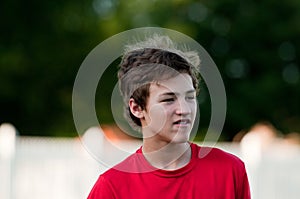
[172, 93]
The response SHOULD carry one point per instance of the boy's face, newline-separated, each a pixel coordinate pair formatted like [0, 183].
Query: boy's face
[170, 110]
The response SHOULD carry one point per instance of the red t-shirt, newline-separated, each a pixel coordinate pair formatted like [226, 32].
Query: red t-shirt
[211, 174]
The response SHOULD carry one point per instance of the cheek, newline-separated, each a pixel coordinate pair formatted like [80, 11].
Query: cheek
[158, 116]
[155, 121]
[194, 109]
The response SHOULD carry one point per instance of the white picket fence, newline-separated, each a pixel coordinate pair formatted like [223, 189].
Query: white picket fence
[61, 168]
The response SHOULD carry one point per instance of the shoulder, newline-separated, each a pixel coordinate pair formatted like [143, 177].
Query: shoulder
[111, 179]
[217, 156]
[122, 168]
[101, 189]
[132, 165]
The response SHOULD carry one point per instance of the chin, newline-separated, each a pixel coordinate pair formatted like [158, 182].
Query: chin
[179, 139]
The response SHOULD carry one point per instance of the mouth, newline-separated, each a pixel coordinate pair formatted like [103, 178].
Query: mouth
[182, 122]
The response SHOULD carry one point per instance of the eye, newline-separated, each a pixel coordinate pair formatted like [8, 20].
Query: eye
[191, 97]
[168, 100]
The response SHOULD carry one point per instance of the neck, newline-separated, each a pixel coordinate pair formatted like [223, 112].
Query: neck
[166, 155]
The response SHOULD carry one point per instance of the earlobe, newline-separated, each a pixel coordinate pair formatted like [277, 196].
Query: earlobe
[135, 109]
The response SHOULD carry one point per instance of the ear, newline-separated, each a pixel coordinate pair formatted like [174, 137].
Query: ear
[135, 109]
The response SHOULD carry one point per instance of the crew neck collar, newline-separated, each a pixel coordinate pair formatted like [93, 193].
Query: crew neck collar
[169, 173]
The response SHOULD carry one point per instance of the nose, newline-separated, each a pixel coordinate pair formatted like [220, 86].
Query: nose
[183, 108]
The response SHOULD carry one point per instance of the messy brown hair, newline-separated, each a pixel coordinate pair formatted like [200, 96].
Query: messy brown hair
[141, 67]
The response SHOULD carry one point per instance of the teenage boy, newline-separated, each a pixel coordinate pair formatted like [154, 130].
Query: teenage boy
[159, 84]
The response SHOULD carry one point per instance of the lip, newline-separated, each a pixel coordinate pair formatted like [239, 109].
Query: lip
[182, 122]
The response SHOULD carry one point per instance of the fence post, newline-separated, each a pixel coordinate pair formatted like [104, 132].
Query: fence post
[7, 153]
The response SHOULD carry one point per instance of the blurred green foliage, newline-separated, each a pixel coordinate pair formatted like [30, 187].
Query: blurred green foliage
[255, 44]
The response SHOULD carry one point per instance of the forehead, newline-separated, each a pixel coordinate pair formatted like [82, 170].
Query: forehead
[181, 83]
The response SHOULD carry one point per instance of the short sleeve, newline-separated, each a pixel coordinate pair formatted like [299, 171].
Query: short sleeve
[101, 190]
[244, 188]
